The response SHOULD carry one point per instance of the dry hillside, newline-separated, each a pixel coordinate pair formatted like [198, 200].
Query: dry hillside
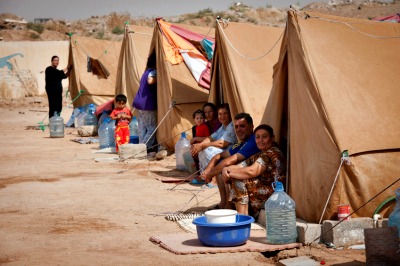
[108, 27]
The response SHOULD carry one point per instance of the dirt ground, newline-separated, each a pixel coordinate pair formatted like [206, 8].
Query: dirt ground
[59, 206]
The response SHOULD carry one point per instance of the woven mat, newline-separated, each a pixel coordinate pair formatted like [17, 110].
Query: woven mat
[187, 243]
[188, 226]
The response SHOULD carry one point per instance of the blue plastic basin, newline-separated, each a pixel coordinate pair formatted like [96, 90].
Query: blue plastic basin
[224, 235]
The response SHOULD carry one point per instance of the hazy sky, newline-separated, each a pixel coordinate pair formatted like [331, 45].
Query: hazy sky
[82, 9]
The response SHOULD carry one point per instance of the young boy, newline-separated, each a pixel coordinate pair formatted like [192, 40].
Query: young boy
[123, 115]
[200, 131]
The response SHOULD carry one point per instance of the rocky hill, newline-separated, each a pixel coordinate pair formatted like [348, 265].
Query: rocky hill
[14, 28]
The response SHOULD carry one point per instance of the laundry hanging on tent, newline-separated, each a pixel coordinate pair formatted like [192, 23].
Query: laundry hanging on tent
[98, 68]
[208, 47]
[183, 45]
[89, 64]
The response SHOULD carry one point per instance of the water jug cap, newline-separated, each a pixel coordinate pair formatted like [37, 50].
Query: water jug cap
[134, 118]
[277, 186]
[107, 120]
[183, 135]
[55, 113]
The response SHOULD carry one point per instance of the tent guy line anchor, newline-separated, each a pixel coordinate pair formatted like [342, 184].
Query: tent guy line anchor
[345, 218]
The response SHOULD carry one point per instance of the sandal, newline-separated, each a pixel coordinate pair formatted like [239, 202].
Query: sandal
[197, 182]
[209, 185]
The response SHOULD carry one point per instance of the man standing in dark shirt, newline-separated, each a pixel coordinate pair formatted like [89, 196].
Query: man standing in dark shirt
[54, 88]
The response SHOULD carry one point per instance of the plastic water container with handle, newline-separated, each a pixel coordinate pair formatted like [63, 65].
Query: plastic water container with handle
[106, 134]
[56, 126]
[103, 116]
[182, 147]
[280, 210]
[90, 119]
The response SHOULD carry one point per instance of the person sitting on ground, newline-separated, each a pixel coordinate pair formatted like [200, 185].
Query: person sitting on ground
[245, 148]
[210, 110]
[123, 115]
[250, 183]
[200, 131]
[217, 142]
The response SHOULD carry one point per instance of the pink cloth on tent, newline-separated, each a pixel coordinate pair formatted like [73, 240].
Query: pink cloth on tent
[189, 35]
[108, 106]
[392, 18]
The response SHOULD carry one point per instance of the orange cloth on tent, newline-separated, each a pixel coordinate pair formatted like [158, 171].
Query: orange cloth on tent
[175, 43]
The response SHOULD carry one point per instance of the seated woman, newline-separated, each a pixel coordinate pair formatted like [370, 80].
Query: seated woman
[211, 112]
[217, 142]
[250, 182]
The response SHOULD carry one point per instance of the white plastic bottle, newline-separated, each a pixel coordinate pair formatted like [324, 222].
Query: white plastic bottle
[280, 210]
[103, 116]
[181, 147]
[90, 119]
[106, 134]
[56, 126]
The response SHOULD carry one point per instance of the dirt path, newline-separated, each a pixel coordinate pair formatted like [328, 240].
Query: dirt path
[59, 206]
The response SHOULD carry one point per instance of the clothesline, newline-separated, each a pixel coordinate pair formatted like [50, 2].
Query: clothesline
[219, 21]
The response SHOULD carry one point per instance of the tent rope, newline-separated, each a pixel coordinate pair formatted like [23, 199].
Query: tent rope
[353, 28]
[108, 48]
[237, 51]
[142, 33]
[345, 158]
[212, 26]
[345, 218]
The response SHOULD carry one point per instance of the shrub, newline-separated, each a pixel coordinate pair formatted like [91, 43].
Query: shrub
[204, 12]
[39, 28]
[117, 30]
[100, 34]
[34, 36]
[117, 19]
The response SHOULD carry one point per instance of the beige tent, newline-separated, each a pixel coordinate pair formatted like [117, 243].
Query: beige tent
[132, 60]
[242, 66]
[178, 93]
[338, 80]
[99, 84]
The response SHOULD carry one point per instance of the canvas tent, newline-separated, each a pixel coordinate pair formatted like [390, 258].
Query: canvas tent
[94, 69]
[242, 66]
[337, 85]
[178, 92]
[132, 60]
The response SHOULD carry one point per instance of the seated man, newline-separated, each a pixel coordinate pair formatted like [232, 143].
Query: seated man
[245, 148]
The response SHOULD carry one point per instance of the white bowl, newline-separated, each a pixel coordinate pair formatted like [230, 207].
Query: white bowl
[222, 216]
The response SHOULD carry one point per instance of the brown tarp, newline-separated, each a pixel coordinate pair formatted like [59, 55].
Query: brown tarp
[97, 89]
[132, 60]
[338, 81]
[177, 88]
[243, 65]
